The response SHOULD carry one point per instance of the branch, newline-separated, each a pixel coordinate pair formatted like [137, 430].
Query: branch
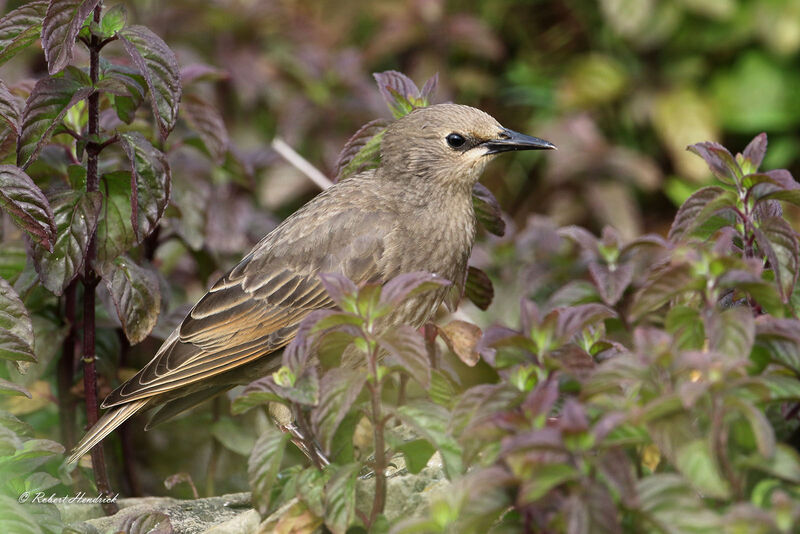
[300, 163]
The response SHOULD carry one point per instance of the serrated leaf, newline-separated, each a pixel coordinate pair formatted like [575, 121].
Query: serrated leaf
[611, 281]
[698, 209]
[263, 465]
[152, 181]
[755, 150]
[7, 387]
[399, 91]
[572, 319]
[127, 89]
[47, 104]
[719, 160]
[256, 393]
[732, 331]
[60, 28]
[113, 21]
[159, 66]
[27, 205]
[487, 210]
[404, 286]
[20, 28]
[136, 296]
[696, 462]
[778, 241]
[338, 287]
[11, 108]
[340, 497]
[75, 214]
[663, 286]
[338, 390]
[407, 346]
[206, 120]
[147, 523]
[16, 329]
[362, 151]
[115, 234]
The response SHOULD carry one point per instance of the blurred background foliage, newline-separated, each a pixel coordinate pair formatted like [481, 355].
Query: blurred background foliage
[621, 86]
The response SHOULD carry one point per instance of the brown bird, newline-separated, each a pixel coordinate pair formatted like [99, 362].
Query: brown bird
[412, 213]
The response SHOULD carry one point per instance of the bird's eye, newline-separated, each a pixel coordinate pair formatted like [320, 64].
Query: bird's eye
[455, 140]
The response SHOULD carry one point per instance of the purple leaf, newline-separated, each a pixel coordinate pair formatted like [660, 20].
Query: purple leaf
[338, 287]
[487, 210]
[541, 400]
[755, 150]
[16, 329]
[11, 108]
[731, 332]
[75, 216]
[573, 417]
[406, 345]
[429, 87]
[478, 288]
[698, 208]
[136, 296]
[529, 315]
[206, 120]
[778, 242]
[583, 238]
[27, 205]
[338, 390]
[403, 286]
[663, 285]
[159, 66]
[198, 72]
[20, 28]
[150, 178]
[573, 319]
[611, 283]
[480, 403]
[362, 150]
[47, 104]
[398, 90]
[719, 160]
[264, 464]
[60, 27]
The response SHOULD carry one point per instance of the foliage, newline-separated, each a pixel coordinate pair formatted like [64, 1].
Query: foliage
[650, 383]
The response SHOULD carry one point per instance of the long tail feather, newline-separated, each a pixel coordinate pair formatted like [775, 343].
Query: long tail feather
[107, 423]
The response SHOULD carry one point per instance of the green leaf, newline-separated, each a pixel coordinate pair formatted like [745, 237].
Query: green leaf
[732, 331]
[400, 93]
[759, 424]
[487, 210]
[150, 169]
[27, 205]
[686, 325]
[159, 66]
[233, 436]
[16, 329]
[205, 119]
[136, 296]
[60, 27]
[478, 288]
[698, 209]
[362, 151]
[115, 234]
[669, 501]
[417, 453]
[75, 214]
[340, 497]
[338, 390]
[20, 28]
[407, 346]
[431, 421]
[544, 478]
[49, 101]
[6, 387]
[778, 242]
[784, 464]
[696, 462]
[126, 87]
[263, 465]
[113, 21]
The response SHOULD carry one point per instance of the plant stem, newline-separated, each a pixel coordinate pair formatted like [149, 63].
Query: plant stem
[90, 278]
[66, 401]
[378, 423]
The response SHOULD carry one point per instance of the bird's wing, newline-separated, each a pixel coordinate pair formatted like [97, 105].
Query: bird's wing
[256, 308]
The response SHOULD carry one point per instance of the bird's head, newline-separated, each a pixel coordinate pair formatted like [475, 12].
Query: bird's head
[449, 144]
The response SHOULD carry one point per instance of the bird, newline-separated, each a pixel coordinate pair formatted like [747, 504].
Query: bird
[413, 212]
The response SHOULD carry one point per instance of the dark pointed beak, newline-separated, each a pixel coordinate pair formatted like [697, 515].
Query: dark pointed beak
[509, 140]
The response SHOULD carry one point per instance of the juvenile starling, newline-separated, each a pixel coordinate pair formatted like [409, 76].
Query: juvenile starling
[412, 213]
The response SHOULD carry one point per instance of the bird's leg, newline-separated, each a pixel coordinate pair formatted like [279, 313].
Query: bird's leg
[297, 428]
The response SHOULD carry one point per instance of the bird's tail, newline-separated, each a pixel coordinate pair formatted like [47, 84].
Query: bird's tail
[110, 420]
